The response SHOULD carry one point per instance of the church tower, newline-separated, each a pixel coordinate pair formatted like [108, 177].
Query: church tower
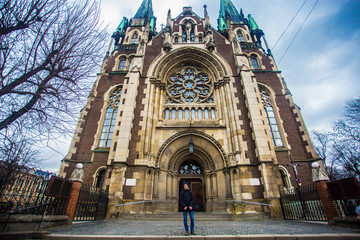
[191, 103]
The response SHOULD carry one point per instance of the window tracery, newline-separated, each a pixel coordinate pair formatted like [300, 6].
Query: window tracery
[189, 85]
[110, 118]
[271, 118]
[190, 167]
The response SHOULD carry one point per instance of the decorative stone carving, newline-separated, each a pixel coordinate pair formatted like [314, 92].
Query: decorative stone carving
[78, 173]
[317, 173]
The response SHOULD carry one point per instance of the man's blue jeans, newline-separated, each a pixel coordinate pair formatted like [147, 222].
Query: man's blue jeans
[191, 213]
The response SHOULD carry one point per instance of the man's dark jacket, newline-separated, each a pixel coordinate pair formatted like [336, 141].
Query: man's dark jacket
[186, 198]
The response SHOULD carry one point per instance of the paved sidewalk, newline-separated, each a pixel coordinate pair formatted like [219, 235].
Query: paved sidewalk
[175, 228]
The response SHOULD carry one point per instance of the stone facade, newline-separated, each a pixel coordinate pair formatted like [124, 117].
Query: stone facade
[190, 81]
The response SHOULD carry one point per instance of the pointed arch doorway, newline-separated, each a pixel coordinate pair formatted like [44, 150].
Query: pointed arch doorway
[191, 172]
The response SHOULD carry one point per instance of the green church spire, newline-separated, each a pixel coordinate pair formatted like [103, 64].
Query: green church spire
[145, 11]
[253, 25]
[228, 11]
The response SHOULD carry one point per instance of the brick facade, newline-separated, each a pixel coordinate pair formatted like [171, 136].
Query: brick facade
[233, 144]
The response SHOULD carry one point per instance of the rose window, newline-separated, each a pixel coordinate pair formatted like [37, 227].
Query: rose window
[189, 85]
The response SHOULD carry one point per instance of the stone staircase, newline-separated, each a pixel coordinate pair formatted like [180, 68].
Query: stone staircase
[199, 216]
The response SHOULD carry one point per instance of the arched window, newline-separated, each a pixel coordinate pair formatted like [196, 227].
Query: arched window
[134, 38]
[190, 167]
[110, 118]
[240, 36]
[200, 39]
[100, 178]
[254, 61]
[122, 64]
[184, 38]
[285, 177]
[271, 118]
[176, 39]
[192, 36]
[180, 113]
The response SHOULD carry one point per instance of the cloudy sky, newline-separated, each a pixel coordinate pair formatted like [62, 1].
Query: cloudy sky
[320, 68]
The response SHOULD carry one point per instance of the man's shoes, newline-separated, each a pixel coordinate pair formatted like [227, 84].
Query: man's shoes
[187, 233]
[193, 233]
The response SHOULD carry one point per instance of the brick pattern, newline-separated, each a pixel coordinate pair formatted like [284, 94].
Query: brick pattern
[328, 205]
[74, 196]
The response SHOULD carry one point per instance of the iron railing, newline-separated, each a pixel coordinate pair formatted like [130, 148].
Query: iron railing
[28, 189]
[92, 204]
[302, 203]
[345, 194]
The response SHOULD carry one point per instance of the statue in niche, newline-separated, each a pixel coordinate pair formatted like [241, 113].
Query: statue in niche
[209, 41]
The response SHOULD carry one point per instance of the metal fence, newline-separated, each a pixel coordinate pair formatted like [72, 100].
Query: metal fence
[346, 195]
[28, 189]
[302, 203]
[92, 204]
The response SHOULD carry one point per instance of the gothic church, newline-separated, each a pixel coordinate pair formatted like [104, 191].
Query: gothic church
[193, 103]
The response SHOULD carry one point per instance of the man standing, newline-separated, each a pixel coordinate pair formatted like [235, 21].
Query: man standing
[187, 202]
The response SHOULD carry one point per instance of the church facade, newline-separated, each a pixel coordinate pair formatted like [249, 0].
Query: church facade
[191, 103]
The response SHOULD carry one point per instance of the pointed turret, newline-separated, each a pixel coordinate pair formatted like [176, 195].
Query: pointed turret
[120, 31]
[228, 12]
[145, 11]
[255, 30]
[144, 16]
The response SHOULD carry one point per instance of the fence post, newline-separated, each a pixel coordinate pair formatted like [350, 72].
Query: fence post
[329, 208]
[74, 196]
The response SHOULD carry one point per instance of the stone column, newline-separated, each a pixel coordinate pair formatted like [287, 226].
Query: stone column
[214, 185]
[168, 186]
[156, 184]
[228, 184]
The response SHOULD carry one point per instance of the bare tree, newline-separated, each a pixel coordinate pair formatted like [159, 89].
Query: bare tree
[340, 149]
[346, 148]
[49, 50]
[323, 144]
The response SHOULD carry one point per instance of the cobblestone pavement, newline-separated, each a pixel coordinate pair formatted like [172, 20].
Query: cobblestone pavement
[175, 228]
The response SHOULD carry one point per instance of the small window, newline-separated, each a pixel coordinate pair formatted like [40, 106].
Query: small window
[100, 179]
[122, 64]
[173, 115]
[180, 111]
[176, 39]
[213, 113]
[199, 113]
[200, 39]
[240, 36]
[254, 61]
[206, 112]
[184, 36]
[134, 38]
[193, 113]
[186, 113]
[167, 113]
[192, 37]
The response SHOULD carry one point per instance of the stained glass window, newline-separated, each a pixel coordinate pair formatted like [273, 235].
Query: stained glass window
[110, 118]
[189, 85]
[190, 167]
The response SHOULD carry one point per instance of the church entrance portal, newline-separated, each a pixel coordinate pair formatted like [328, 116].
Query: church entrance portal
[197, 187]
